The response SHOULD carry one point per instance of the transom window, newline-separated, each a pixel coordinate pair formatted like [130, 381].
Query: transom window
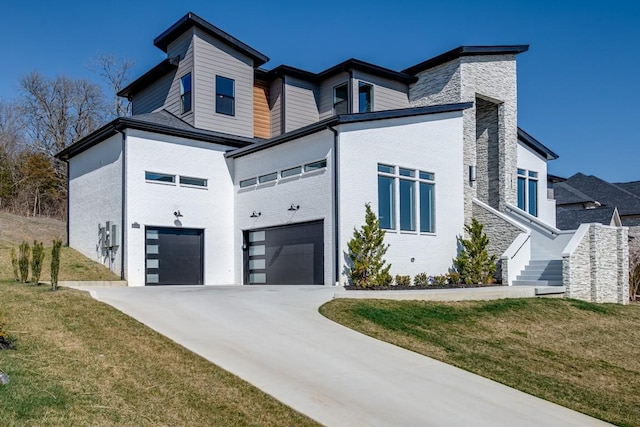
[528, 191]
[365, 97]
[196, 182]
[159, 177]
[225, 96]
[185, 93]
[416, 199]
[341, 99]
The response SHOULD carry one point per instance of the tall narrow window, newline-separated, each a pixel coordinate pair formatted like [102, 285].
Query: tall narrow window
[341, 99]
[386, 197]
[533, 193]
[522, 188]
[185, 93]
[427, 203]
[225, 96]
[528, 191]
[365, 97]
[407, 200]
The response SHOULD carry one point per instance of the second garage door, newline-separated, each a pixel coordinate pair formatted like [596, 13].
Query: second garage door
[286, 255]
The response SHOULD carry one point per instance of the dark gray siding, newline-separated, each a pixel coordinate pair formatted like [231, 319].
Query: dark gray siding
[183, 47]
[301, 103]
[216, 58]
[326, 94]
[153, 97]
[387, 94]
[275, 105]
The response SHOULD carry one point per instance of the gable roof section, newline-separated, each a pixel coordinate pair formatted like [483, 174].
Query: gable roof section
[632, 187]
[161, 122]
[570, 219]
[466, 51]
[349, 64]
[536, 145]
[149, 77]
[605, 193]
[344, 119]
[565, 194]
[192, 20]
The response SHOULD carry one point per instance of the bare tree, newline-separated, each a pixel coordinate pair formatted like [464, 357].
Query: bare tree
[116, 74]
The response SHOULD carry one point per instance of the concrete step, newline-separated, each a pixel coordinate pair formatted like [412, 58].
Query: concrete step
[537, 282]
[528, 276]
[550, 290]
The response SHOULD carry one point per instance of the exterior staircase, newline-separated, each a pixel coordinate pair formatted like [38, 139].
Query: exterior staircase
[541, 273]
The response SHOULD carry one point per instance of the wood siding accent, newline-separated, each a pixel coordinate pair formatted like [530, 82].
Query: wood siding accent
[261, 113]
[387, 94]
[213, 57]
[301, 103]
[326, 94]
[275, 106]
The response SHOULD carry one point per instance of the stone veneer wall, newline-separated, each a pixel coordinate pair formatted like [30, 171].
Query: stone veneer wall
[501, 234]
[597, 269]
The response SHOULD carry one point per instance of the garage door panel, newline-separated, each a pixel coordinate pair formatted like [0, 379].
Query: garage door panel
[174, 256]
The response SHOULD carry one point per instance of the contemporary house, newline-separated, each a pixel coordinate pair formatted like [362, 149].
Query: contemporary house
[229, 172]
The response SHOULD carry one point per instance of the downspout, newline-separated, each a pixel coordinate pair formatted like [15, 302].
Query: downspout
[123, 204]
[68, 204]
[336, 205]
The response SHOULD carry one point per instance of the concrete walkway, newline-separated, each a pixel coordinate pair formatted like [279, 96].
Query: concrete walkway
[274, 338]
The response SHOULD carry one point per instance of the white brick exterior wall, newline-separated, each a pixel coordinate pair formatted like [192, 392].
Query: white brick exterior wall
[153, 204]
[95, 193]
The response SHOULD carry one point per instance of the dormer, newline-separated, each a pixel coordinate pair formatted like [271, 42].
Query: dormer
[207, 79]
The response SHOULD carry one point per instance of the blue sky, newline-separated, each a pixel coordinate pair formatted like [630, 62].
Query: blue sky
[578, 85]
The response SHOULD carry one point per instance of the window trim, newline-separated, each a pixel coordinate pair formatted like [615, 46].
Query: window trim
[184, 93]
[225, 96]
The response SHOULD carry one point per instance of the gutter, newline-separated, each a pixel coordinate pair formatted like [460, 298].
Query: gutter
[336, 205]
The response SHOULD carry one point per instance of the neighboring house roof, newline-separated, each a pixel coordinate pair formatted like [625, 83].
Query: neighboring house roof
[570, 219]
[555, 178]
[536, 145]
[349, 64]
[606, 193]
[465, 51]
[565, 194]
[344, 119]
[192, 20]
[632, 187]
[161, 122]
[164, 67]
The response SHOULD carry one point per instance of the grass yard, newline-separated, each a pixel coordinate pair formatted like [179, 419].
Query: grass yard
[80, 362]
[580, 355]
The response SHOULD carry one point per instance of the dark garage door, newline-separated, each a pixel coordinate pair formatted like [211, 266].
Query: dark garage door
[287, 255]
[174, 256]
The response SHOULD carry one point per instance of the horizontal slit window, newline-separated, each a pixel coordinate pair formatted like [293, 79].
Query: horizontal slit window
[386, 168]
[159, 177]
[248, 182]
[315, 165]
[291, 172]
[407, 172]
[427, 176]
[198, 182]
[269, 177]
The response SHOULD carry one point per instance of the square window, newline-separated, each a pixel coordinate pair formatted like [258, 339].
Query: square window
[225, 96]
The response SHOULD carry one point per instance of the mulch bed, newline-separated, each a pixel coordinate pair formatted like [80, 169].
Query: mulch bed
[420, 287]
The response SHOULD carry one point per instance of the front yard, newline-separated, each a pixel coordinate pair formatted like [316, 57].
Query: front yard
[580, 355]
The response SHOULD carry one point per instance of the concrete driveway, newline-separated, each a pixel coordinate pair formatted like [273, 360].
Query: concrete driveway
[274, 338]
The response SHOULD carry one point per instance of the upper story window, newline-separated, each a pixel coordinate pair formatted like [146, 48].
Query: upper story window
[159, 177]
[528, 191]
[365, 97]
[225, 96]
[185, 93]
[341, 99]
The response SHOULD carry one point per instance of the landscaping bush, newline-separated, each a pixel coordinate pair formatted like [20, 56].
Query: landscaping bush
[634, 276]
[474, 263]
[441, 279]
[14, 264]
[366, 251]
[55, 263]
[403, 280]
[37, 257]
[421, 279]
[454, 277]
[5, 341]
[23, 261]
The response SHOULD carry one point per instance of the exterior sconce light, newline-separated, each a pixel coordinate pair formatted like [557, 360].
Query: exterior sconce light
[472, 173]
[293, 207]
[177, 214]
[255, 214]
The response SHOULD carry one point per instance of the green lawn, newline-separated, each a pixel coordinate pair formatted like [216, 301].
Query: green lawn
[80, 362]
[580, 355]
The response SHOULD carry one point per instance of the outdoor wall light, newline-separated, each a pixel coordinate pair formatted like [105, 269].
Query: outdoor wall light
[472, 173]
[177, 214]
[293, 207]
[255, 214]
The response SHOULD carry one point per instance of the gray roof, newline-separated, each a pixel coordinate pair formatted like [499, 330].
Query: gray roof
[565, 194]
[632, 187]
[606, 193]
[570, 219]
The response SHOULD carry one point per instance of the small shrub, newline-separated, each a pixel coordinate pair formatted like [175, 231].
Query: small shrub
[441, 279]
[37, 257]
[634, 277]
[55, 263]
[454, 278]
[421, 279]
[23, 261]
[5, 341]
[474, 263]
[403, 280]
[14, 264]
